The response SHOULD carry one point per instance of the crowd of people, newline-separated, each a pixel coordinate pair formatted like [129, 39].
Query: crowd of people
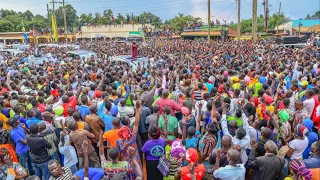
[229, 110]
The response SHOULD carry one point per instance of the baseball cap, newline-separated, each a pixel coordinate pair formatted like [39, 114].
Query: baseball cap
[13, 120]
[304, 83]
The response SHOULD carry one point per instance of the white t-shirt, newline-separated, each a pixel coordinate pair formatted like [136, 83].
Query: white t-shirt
[299, 146]
[308, 105]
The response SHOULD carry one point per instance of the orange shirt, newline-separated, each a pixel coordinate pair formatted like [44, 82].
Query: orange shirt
[111, 136]
[315, 173]
[80, 125]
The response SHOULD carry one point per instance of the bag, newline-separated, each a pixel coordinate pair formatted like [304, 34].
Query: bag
[164, 166]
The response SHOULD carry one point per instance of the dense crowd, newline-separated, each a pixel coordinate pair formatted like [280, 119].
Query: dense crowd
[196, 110]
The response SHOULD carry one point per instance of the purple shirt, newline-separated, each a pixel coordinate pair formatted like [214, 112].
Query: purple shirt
[154, 149]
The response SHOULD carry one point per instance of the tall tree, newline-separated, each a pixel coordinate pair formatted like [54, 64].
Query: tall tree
[147, 17]
[316, 15]
[179, 22]
[71, 14]
[6, 26]
[27, 15]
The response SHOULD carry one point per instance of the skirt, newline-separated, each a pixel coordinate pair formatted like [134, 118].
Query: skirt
[152, 170]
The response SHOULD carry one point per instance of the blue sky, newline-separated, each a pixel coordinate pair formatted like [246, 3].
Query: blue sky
[166, 9]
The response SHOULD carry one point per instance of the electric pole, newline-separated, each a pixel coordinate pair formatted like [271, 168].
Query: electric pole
[254, 20]
[65, 21]
[266, 14]
[209, 22]
[279, 17]
[49, 25]
[239, 25]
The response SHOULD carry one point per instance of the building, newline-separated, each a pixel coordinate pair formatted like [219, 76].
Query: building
[108, 32]
[17, 37]
[216, 32]
[307, 26]
[87, 32]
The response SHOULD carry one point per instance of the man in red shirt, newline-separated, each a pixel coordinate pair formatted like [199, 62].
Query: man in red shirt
[68, 103]
[165, 101]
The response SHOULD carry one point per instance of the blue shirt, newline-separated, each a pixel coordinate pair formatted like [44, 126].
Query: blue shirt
[70, 155]
[32, 120]
[193, 142]
[312, 137]
[312, 162]
[230, 173]
[209, 86]
[84, 111]
[107, 119]
[93, 173]
[18, 133]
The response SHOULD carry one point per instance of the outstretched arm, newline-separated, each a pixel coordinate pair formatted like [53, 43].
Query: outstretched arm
[138, 117]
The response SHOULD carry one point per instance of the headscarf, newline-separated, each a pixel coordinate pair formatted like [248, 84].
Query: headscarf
[308, 123]
[284, 116]
[191, 155]
[301, 130]
[177, 150]
[300, 169]
[124, 133]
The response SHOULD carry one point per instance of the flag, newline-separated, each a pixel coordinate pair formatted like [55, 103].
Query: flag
[112, 19]
[25, 36]
[55, 35]
[217, 22]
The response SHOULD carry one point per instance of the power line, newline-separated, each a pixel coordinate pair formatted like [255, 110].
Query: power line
[225, 8]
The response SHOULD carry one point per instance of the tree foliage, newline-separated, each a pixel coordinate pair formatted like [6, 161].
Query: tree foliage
[315, 16]
[71, 16]
[12, 21]
[180, 21]
[273, 21]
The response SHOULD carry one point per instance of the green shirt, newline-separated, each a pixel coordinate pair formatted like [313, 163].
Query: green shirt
[172, 124]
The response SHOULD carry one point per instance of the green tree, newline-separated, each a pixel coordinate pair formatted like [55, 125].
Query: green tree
[316, 15]
[4, 13]
[308, 16]
[27, 15]
[16, 20]
[6, 26]
[107, 15]
[71, 15]
[179, 21]
[120, 18]
[156, 20]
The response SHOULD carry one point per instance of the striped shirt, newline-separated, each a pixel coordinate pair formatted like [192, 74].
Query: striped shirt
[197, 95]
[66, 174]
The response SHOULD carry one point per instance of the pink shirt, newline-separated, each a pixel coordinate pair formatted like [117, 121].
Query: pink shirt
[163, 102]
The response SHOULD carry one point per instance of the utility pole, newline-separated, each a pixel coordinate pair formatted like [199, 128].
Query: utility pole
[209, 22]
[49, 25]
[239, 25]
[65, 21]
[278, 17]
[35, 34]
[266, 14]
[254, 20]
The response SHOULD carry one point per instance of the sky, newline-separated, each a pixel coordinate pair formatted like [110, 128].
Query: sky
[166, 9]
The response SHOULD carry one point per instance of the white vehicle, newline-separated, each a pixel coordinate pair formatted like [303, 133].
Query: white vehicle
[38, 60]
[72, 46]
[24, 47]
[12, 52]
[128, 60]
[80, 54]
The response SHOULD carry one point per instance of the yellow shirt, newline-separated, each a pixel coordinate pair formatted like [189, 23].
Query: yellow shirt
[259, 113]
[4, 119]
